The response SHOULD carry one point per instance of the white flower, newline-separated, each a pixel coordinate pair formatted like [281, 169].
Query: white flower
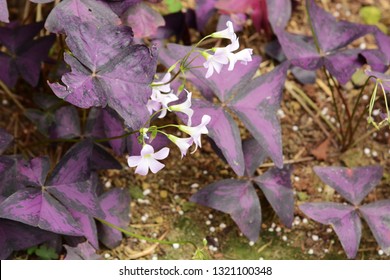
[161, 96]
[244, 56]
[216, 61]
[163, 85]
[183, 143]
[227, 33]
[196, 131]
[148, 160]
[184, 107]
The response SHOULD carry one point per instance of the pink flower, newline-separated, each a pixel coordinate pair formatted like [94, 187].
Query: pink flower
[148, 160]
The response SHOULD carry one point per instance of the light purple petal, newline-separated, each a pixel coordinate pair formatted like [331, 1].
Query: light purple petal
[162, 154]
[343, 218]
[155, 166]
[4, 11]
[352, 183]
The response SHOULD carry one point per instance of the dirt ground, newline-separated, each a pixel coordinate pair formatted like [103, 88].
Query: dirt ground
[160, 206]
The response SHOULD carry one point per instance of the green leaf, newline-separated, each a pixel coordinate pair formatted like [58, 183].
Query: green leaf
[174, 6]
[46, 253]
[370, 14]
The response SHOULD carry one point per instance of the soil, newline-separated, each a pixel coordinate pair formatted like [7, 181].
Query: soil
[160, 206]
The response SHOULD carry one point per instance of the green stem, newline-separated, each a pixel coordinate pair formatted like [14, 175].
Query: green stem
[141, 237]
[316, 42]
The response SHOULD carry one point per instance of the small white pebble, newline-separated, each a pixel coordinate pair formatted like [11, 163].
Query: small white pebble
[194, 186]
[326, 251]
[212, 229]
[176, 197]
[214, 249]
[251, 243]
[310, 252]
[332, 241]
[336, 14]
[296, 179]
[280, 113]
[271, 229]
[319, 190]
[374, 153]
[222, 225]
[205, 172]
[348, 13]
[154, 234]
[284, 238]
[273, 225]
[211, 216]
[376, 112]
[363, 46]
[332, 120]
[208, 222]
[380, 252]
[324, 111]
[278, 229]
[367, 151]
[154, 257]
[387, 134]
[374, 135]
[329, 230]
[181, 212]
[261, 259]
[315, 237]
[176, 246]
[143, 241]
[305, 221]
[365, 97]
[339, 6]
[108, 184]
[107, 255]
[295, 128]
[146, 192]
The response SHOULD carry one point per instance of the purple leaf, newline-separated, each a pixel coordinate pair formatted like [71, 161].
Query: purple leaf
[383, 42]
[254, 155]
[83, 251]
[4, 11]
[279, 12]
[377, 216]
[237, 198]
[352, 183]
[74, 166]
[343, 218]
[34, 172]
[101, 159]
[121, 6]
[117, 74]
[5, 140]
[88, 227]
[256, 106]
[115, 204]
[69, 14]
[38, 208]
[10, 181]
[333, 34]
[378, 60]
[224, 131]
[41, 1]
[26, 54]
[66, 123]
[277, 188]
[143, 20]
[16, 236]
[204, 10]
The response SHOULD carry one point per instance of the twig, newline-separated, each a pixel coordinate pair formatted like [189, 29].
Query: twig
[12, 96]
[148, 250]
[290, 161]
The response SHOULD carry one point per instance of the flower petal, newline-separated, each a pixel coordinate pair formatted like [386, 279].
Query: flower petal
[134, 160]
[163, 153]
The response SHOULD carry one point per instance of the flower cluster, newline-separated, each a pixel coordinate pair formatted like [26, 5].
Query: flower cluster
[225, 55]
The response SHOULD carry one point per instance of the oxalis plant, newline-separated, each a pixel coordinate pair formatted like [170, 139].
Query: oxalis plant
[109, 75]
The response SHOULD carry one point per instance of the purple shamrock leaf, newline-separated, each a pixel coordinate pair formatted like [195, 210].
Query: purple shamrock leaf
[237, 198]
[121, 6]
[83, 251]
[25, 54]
[115, 204]
[254, 155]
[279, 12]
[5, 140]
[204, 10]
[143, 20]
[352, 183]
[343, 218]
[377, 216]
[383, 42]
[69, 14]
[340, 63]
[277, 188]
[10, 181]
[16, 236]
[4, 11]
[256, 106]
[224, 131]
[88, 227]
[34, 172]
[107, 71]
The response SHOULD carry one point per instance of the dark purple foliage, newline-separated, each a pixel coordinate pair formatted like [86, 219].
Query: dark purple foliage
[24, 54]
[239, 199]
[340, 62]
[5, 140]
[16, 236]
[204, 10]
[107, 70]
[83, 251]
[353, 184]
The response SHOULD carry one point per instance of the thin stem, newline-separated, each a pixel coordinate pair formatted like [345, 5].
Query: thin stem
[141, 237]
[12, 96]
[316, 42]
[100, 140]
[342, 97]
